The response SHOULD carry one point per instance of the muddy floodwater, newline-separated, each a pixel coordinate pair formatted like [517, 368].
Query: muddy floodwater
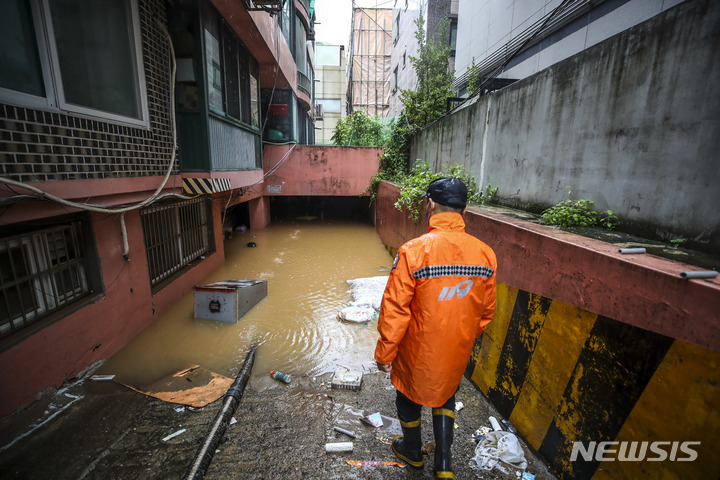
[96, 429]
[306, 265]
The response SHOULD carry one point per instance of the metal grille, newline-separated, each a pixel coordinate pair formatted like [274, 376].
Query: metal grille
[175, 234]
[40, 272]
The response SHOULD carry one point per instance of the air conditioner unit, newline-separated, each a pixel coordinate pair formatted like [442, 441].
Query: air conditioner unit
[318, 111]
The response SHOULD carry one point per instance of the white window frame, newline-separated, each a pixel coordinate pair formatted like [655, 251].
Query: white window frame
[54, 99]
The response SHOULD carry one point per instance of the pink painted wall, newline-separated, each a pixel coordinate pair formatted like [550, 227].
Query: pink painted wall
[641, 290]
[259, 213]
[98, 330]
[319, 170]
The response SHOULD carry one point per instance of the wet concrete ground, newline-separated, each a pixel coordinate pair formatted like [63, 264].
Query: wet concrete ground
[101, 430]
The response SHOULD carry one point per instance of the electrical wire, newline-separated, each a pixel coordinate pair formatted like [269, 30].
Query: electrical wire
[274, 168]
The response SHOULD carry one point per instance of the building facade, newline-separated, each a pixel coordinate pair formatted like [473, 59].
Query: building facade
[330, 90]
[127, 129]
[514, 40]
[369, 63]
[405, 45]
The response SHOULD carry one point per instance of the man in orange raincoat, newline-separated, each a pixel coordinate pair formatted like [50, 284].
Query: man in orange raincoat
[439, 297]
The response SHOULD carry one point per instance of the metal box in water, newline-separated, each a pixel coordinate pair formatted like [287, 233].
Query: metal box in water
[227, 301]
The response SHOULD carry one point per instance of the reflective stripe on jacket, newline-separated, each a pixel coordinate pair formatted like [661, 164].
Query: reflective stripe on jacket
[439, 297]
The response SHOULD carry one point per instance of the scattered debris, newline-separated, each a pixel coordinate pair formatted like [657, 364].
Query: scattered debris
[428, 449]
[193, 386]
[173, 435]
[499, 450]
[495, 425]
[373, 463]
[346, 432]
[280, 376]
[459, 406]
[346, 379]
[374, 419]
[339, 447]
[356, 314]
[368, 291]
[702, 274]
[367, 294]
[102, 377]
[631, 250]
[509, 426]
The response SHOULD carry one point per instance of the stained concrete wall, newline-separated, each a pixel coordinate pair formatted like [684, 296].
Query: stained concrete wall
[632, 123]
[309, 170]
[587, 345]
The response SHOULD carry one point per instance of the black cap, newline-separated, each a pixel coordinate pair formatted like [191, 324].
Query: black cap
[448, 191]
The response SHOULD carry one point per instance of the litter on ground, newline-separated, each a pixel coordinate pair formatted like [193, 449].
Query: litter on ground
[499, 450]
[373, 463]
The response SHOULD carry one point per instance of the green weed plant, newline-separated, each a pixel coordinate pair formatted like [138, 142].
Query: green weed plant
[578, 213]
[414, 185]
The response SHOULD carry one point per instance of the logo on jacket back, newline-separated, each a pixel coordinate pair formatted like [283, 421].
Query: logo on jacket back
[457, 291]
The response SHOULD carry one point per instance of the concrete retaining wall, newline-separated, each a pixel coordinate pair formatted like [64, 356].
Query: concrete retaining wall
[632, 123]
[588, 346]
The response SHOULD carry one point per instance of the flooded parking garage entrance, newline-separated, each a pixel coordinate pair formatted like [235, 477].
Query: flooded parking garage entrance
[93, 429]
[306, 263]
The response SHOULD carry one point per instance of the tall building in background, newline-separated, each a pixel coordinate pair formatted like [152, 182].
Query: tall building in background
[405, 45]
[330, 90]
[369, 63]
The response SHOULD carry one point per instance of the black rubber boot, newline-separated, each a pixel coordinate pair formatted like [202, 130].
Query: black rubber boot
[443, 424]
[407, 446]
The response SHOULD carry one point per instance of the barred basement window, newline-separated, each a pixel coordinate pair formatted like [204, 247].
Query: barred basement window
[175, 235]
[42, 271]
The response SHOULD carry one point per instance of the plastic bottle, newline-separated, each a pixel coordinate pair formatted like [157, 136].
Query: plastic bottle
[283, 377]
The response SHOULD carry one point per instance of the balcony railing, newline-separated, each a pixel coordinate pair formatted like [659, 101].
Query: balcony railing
[304, 84]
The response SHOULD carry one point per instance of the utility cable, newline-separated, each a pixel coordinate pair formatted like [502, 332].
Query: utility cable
[274, 168]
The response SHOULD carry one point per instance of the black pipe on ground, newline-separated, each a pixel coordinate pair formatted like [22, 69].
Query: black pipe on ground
[205, 453]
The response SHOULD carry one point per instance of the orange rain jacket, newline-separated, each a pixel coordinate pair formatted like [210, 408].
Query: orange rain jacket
[439, 297]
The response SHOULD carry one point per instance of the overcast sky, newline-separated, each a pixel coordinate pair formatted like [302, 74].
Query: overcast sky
[333, 18]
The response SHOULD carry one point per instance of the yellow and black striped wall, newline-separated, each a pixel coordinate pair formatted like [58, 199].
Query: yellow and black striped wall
[561, 374]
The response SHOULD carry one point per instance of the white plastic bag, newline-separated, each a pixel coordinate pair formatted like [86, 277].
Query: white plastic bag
[496, 449]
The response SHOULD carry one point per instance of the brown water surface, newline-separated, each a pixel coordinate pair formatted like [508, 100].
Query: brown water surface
[296, 326]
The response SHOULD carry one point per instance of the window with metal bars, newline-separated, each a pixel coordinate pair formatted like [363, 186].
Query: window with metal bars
[43, 271]
[176, 234]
